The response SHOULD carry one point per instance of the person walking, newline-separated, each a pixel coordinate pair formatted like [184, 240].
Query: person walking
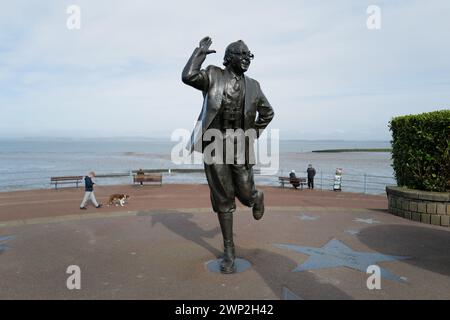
[89, 192]
[311, 174]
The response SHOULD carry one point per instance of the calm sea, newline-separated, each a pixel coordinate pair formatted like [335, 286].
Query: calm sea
[29, 164]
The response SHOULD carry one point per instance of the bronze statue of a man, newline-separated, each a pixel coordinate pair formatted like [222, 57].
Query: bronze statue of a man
[232, 101]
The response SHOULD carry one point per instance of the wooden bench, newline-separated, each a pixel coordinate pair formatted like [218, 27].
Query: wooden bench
[65, 180]
[287, 180]
[148, 177]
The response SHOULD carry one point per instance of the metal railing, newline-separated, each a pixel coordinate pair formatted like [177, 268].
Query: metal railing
[34, 179]
[359, 183]
[362, 183]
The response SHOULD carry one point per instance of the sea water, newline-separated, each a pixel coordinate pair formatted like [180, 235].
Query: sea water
[29, 163]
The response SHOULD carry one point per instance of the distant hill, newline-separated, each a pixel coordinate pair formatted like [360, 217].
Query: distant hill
[354, 150]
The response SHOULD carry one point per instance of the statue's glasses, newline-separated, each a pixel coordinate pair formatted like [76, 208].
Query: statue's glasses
[245, 54]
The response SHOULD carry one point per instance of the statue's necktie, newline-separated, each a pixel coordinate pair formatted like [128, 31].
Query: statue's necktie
[235, 83]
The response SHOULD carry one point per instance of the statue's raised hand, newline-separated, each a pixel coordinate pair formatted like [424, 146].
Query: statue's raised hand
[205, 43]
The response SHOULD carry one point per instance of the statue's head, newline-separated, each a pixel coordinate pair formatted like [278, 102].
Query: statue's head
[238, 57]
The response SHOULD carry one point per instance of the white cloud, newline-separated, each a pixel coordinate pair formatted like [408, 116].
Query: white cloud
[326, 75]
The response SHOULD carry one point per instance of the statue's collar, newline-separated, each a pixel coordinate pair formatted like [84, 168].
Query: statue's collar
[233, 74]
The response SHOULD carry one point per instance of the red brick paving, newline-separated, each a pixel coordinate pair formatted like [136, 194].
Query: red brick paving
[18, 205]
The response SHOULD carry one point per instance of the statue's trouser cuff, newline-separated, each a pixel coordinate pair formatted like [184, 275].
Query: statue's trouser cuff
[227, 181]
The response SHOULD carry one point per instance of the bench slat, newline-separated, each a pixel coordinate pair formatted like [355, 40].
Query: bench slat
[287, 180]
[148, 178]
[65, 180]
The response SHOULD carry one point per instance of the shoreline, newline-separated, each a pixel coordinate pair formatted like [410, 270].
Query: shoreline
[349, 189]
[50, 203]
[385, 150]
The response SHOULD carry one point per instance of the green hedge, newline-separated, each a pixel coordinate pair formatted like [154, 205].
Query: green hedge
[421, 150]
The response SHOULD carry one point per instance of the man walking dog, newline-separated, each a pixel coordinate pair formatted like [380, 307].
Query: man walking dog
[89, 192]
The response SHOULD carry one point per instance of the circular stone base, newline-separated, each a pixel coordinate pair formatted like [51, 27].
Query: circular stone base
[240, 265]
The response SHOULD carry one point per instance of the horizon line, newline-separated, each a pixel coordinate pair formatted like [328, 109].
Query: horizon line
[161, 138]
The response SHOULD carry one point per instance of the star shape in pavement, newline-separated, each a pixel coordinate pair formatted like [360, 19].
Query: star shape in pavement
[336, 254]
[368, 221]
[289, 295]
[352, 232]
[2, 241]
[308, 218]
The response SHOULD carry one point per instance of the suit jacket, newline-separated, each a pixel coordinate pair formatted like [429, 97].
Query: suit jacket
[211, 81]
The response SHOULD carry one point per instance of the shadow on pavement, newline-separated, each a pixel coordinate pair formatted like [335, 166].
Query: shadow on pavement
[427, 247]
[181, 224]
[379, 210]
[275, 269]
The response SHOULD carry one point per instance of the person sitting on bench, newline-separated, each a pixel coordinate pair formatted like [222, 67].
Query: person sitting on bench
[294, 181]
[140, 174]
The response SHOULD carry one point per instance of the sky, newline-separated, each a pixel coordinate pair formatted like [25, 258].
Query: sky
[326, 74]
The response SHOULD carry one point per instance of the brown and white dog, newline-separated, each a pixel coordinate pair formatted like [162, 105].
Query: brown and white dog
[118, 198]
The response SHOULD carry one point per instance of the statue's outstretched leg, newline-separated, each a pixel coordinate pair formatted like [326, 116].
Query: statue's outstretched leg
[226, 225]
[258, 207]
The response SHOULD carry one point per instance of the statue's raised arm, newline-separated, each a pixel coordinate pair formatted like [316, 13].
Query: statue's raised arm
[192, 74]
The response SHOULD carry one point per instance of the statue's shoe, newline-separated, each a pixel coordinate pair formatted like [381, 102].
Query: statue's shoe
[258, 207]
[227, 267]
[227, 264]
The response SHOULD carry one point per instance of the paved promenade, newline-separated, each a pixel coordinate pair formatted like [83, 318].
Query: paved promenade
[309, 245]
